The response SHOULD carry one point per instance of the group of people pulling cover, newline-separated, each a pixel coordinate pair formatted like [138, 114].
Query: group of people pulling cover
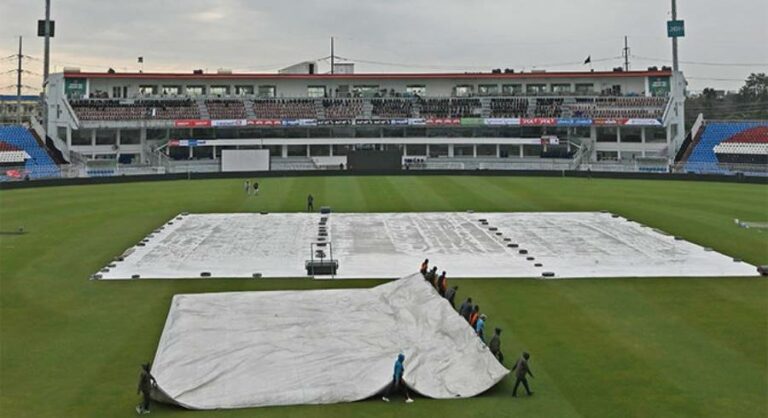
[471, 313]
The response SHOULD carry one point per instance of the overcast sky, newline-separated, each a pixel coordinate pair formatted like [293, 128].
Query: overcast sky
[389, 35]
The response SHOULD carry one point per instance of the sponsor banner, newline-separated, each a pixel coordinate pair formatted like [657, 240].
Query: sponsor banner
[191, 123]
[443, 121]
[417, 121]
[264, 122]
[643, 122]
[550, 140]
[186, 142]
[538, 122]
[574, 122]
[334, 122]
[299, 122]
[471, 121]
[369, 122]
[502, 121]
[399, 122]
[609, 121]
[16, 174]
[228, 122]
[291, 122]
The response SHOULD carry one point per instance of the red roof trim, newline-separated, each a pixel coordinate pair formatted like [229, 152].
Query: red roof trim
[366, 76]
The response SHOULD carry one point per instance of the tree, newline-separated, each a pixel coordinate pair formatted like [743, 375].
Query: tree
[755, 87]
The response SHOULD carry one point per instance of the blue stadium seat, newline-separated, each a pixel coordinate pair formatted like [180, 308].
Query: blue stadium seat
[40, 164]
[703, 158]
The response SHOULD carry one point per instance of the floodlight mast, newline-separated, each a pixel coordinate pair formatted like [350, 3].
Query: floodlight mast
[675, 66]
[46, 63]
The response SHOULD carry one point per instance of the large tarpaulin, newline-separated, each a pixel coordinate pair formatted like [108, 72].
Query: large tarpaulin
[249, 349]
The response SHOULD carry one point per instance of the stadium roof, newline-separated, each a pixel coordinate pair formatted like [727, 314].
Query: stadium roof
[369, 76]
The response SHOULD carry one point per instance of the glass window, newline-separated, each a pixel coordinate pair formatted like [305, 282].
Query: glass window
[61, 132]
[607, 155]
[536, 88]
[561, 88]
[171, 90]
[416, 89]
[244, 90]
[81, 136]
[656, 135]
[365, 91]
[316, 91]
[463, 90]
[511, 89]
[585, 88]
[148, 90]
[130, 136]
[106, 137]
[267, 91]
[606, 134]
[195, 90]
[532, 150]
[631, 134]
[157, 134]
[219, 90]
[488, 89]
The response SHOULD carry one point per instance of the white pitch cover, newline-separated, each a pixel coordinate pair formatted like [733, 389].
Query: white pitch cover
[252, 349]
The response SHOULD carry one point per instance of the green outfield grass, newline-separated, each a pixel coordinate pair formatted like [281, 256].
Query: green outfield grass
[70, 347]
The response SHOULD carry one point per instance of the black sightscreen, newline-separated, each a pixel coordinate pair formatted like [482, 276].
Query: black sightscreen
[374, 160]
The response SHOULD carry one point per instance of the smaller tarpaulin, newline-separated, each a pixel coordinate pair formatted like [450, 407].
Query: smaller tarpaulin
[249, 349]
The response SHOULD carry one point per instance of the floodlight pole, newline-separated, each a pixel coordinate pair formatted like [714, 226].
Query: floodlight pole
[46, 63]
[333, 62]
[18, 85]
[675, 66]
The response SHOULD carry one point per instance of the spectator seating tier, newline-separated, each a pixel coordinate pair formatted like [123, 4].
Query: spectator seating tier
[39, 164]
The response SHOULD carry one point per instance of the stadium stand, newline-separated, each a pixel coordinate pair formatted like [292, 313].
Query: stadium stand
[306, 108]
[343, 108]
[11, 155]
[226, 109]
[100, 109]
[285, 108]
[509, 107]
[39, 164]
[450, 108]
[549, 107]
[392, 108]
[746, 139]
[618, 107]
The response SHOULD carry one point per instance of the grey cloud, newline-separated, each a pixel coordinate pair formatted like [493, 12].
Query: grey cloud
[441, 34]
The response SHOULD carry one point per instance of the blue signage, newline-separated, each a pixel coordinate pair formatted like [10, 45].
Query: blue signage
[675, 28]
[574, 122]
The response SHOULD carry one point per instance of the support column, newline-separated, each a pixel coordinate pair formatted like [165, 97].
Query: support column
[284, 151]
[474, 150]
[450, 150]
[405, 150]
[308, 154]
[427, 150]
[522, 155]
[498, 151]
